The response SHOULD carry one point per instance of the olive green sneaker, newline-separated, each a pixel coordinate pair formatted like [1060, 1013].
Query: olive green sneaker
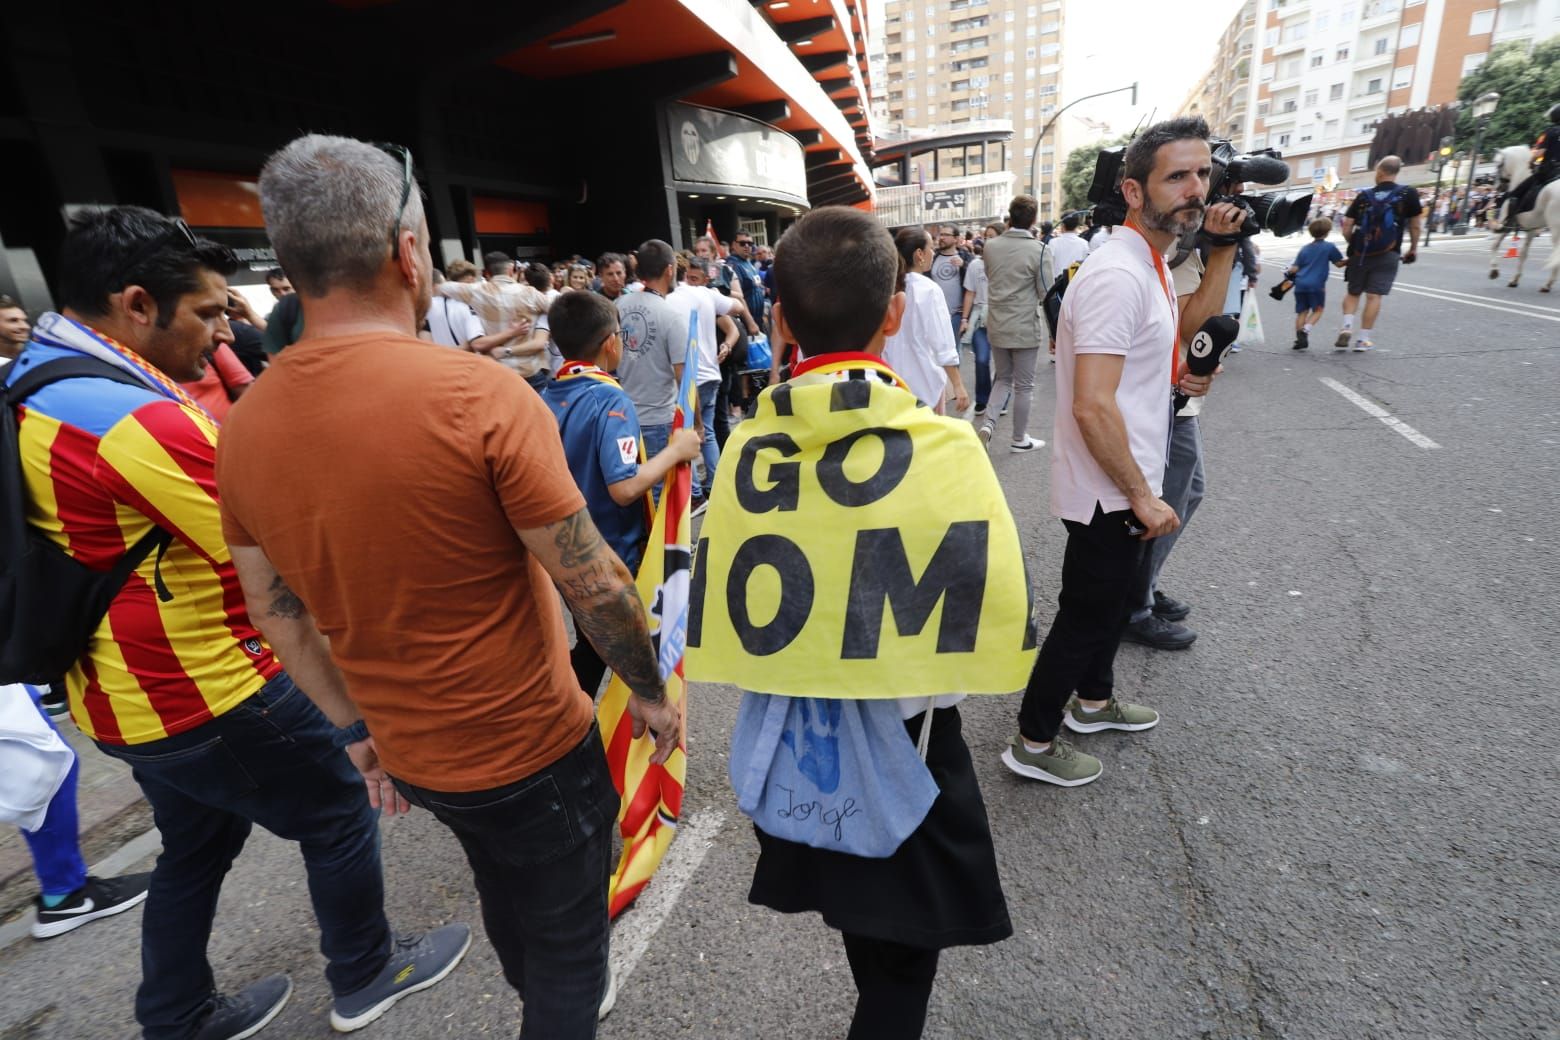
[1115, 715]
[1063, 765]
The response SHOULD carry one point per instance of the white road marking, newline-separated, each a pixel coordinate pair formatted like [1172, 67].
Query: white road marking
[1487, 306]
[128, 854]
[632, 934]
[1371, 408]
[1475, 296]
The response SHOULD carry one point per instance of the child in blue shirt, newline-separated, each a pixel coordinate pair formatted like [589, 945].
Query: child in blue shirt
[1309, 272]
[601, 441]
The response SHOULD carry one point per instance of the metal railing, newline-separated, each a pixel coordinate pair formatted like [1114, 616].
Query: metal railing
[959, 200]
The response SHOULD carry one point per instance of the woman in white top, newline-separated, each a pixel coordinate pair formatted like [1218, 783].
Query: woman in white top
[923, 351]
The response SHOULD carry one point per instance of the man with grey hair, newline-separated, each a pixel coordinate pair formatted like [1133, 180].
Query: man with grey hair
[412, 584]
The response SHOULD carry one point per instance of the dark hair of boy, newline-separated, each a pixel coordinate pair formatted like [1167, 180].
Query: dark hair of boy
[1071, 222]
[539, 276]
[834, 276]
[108, 249]
[496, 263]
[655, 256]
[909, 241]
[580, 322]
[1319, 228]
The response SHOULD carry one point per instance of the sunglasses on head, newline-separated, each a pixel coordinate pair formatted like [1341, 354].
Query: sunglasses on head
[403, 153]
[176, 233]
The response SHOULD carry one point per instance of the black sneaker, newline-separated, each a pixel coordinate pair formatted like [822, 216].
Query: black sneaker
[1170, 608]
[54, 702]
[98, 898]
[234, 1018]
[416, 962]
[1302, 339]
[1156, 632]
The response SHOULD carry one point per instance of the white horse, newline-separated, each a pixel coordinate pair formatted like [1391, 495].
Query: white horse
[1545, 213]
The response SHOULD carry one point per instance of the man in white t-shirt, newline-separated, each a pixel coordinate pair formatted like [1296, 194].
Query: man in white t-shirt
[1067, 246]
[1115, 355]
[972, 328]
[706, 305]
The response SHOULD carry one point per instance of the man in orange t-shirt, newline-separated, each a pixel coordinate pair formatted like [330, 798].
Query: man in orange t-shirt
[409, 583]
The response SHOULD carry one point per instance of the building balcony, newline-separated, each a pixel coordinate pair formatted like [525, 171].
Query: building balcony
[977, 198]
[1290, 8]
[1378, 13]
[1372, 61]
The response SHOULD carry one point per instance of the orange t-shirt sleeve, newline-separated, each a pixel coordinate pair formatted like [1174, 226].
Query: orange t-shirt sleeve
[517, 437]
[233, 532]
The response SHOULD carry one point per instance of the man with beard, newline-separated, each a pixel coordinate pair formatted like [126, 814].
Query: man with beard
[1116, 362]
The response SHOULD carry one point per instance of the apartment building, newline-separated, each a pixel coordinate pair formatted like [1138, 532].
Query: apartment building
[1225, 95]
[1330, 69]
[953, 62]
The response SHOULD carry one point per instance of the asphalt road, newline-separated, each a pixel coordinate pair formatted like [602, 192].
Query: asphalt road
[1345, 826]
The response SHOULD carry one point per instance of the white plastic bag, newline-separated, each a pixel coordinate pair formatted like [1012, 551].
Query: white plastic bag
[1250, 323]
[34, 760]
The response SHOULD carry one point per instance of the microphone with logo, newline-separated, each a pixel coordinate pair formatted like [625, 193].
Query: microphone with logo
[1208, 348]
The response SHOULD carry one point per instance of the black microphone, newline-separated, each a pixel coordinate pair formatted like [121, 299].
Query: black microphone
[1259, 169]
[1208, 348]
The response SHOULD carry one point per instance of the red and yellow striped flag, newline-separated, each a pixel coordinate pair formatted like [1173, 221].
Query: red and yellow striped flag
[652, 794]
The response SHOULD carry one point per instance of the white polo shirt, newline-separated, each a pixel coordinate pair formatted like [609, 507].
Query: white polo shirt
[706, 303]
[1116, 306]
[924, 342]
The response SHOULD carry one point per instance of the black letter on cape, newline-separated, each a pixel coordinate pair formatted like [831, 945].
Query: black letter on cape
[881, 573]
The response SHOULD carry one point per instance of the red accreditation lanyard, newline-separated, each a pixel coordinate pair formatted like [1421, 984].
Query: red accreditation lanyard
[1175, 311]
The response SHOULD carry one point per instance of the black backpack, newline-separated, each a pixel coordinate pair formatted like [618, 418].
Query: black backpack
[50, 605]
[1052, 304]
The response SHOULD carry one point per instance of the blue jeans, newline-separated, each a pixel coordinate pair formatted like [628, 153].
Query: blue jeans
[707, 394]
[540, 850]
[271, 760]
[1184, 486]
[55, 845]
[981, 343]
[655, 438]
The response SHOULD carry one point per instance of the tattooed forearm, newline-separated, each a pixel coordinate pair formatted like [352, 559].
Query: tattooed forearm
[615, 625]
[577, 540]
[285, 602]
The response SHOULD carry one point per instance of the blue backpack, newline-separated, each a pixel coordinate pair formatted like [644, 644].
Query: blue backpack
[1378, 230]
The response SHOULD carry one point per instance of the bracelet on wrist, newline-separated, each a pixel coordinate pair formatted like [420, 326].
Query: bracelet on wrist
[353, 734]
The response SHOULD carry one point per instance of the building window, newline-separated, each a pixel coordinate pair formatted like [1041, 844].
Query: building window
[1048, 50]
[1481, 23]
[1290, 68]
[1323, 20]
[1335, 92]
[1342, 54]
[1330, 162]
[909, 35]
[1402, 76]
[1307, 167]
[1346, 15]
[1048, 90]
[1330, 133]
[1383, 43]
[1359, 159]
[1007, 57]
[1270, 38]
[1318, 59]
[931, 110]
[1283, 140]
[1029, 94]
[1007, 98]
[1007, 37]
[1409, 37]
[931, 52]
[1029, 115]
[1262, 107]
[1029, 73]
[1310, 99]
[1265, 74]
[910, 112]
[1306, 133]
[1373, 85]
[1031, 31]
[910, 93]
[1471, 62]
[1007, 77]
[1029, 54]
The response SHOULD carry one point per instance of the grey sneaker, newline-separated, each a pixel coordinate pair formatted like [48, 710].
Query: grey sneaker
[1115, 715]
[1063, 765]
[236, 1018]
[984, 432]
[1342, 342]
[416, 962]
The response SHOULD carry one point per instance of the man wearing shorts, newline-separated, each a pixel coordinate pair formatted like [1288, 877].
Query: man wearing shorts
[1373, 267]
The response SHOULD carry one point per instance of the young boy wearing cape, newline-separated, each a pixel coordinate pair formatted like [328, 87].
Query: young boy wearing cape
[933, 882]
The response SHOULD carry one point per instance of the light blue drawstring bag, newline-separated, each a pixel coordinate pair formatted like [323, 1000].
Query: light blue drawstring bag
[840, 775]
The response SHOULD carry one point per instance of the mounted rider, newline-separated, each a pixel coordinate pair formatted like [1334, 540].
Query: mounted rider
[1546, 167]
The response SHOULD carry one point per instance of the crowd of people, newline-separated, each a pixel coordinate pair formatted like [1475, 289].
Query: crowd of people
[389, 632]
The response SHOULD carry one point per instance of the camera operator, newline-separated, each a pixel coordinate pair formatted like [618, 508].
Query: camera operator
[1202, 289]
[1118, 343]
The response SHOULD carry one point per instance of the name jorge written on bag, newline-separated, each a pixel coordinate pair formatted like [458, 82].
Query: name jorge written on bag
[855, 527]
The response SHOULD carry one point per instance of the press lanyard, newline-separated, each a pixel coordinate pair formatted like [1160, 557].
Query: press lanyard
[1175, 311]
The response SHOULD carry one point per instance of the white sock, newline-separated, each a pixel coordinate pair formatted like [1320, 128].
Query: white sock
[1364, 334]
[1030, 745]
[1348, 322]
[1307, 328]
[1087, 710]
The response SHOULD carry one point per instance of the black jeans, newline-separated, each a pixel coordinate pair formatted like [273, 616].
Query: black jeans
[270, 761]
[541, 852]
[1098, 572]
[893, 986]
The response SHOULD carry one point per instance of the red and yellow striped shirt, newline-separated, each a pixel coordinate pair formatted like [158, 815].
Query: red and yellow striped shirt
[104, 462]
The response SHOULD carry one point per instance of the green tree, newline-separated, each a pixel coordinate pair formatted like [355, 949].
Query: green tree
[1078, 173]
[1528, 83]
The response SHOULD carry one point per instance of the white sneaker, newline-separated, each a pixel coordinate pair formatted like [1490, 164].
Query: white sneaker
[609, 1000]
[1362, 344]
[1027, 444]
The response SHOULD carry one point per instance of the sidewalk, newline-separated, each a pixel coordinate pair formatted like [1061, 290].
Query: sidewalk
[111, 809]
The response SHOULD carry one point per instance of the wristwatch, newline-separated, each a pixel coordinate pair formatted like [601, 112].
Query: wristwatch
[504, 352]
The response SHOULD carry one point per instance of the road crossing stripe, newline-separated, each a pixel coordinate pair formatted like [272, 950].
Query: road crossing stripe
[1474, 303]
[1371, 408]
[1475, 296]
[632, 932]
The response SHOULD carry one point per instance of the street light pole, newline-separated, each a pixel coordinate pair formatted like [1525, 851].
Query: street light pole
[1483, 109]
[1034, 166]
[1435, 200]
